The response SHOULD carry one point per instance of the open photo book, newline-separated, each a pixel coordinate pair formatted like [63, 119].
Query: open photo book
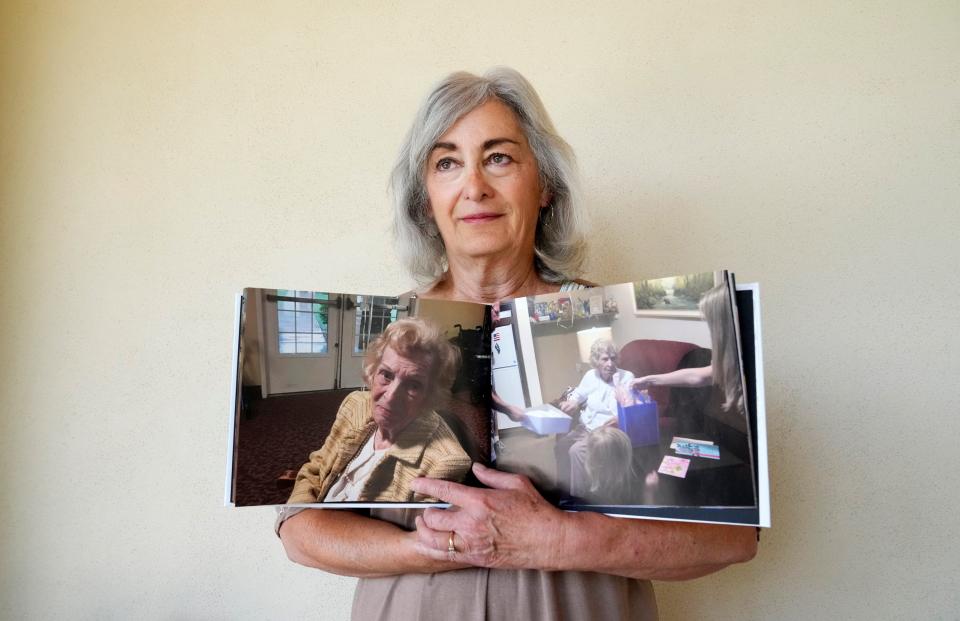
[640, 399]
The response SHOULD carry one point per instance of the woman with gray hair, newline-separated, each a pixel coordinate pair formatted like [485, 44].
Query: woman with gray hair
[482, 237]
[486, 208]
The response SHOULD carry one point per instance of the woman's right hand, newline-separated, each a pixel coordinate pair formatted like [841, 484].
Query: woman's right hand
[642, 383]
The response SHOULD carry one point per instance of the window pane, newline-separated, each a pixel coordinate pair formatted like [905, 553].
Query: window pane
[288, 344]
[304, 306]
[286, 321]
[304, 320]
[284, 305]
[304, 346]
[319, 348]
[320, 319]
[319, 338]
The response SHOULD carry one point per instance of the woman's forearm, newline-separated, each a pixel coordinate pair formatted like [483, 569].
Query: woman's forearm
[685, 378]
[349, 544]
[511, 526]
[651, 549]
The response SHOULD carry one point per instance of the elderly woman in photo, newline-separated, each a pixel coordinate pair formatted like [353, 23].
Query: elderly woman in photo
[599, 392]
[486, 208]
[385, 438]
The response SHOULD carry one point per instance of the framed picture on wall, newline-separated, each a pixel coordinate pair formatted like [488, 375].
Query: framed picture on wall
[676, 296]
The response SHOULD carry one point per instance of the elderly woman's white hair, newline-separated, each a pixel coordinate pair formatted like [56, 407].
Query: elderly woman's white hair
[560, 243]
[601, 347]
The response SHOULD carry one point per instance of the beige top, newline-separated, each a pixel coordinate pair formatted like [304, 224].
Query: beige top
[495, 594]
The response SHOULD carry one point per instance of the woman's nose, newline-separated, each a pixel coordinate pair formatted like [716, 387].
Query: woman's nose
[390, 391]
[475, 185]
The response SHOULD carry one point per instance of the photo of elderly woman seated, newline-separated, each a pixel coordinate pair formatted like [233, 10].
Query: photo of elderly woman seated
[595, 399]
[384, 438]
[632, 409]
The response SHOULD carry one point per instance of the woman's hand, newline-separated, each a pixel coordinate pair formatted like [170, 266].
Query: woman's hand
[625, 395]
[642, 383]
[513, 412]
[511, 526]
[507, 526]
[569, 407]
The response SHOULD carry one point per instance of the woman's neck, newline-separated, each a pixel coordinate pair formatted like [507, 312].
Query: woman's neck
[488, 282]
[383, 440]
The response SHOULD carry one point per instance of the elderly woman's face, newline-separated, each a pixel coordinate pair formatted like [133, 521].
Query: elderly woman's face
[606, 365]
[400, 389]
[484, 185]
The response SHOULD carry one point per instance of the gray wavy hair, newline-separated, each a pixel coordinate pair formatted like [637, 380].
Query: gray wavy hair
[560, 242]
[601, 347]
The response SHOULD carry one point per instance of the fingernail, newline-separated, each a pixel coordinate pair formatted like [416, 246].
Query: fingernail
[478, 466]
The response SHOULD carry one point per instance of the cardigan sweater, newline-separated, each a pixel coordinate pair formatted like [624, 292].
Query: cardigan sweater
[426, 448]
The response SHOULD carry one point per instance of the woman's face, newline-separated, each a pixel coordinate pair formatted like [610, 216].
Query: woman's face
[606, 365]
[484, 186]
[400, 389]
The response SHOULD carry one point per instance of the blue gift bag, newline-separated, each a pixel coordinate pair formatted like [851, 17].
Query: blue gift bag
[641, 422]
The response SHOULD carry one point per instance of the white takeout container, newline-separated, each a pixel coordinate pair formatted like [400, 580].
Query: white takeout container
[546, 419]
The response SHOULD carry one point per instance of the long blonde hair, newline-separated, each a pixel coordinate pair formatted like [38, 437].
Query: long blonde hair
[609, 466]
[725, 362]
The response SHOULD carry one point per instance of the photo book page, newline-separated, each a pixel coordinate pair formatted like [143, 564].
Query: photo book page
[640, 399]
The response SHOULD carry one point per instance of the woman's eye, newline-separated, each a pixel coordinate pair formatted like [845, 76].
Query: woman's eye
[499, 159]
[445, 164]
[384, 376]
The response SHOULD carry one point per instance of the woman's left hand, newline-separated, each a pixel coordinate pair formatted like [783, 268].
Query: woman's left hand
[507, 526]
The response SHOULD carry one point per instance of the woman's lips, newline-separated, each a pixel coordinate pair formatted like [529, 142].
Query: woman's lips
[480, 218]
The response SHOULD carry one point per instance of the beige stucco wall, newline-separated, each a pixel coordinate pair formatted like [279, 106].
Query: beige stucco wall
[157, 157]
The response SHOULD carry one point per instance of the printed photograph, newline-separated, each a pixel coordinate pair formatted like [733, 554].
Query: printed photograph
[602, 404]
[347, 398]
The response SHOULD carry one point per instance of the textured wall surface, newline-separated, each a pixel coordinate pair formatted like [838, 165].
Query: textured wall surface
[156, 157]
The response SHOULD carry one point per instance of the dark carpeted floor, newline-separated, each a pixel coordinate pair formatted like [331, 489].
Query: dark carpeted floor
[279, 433]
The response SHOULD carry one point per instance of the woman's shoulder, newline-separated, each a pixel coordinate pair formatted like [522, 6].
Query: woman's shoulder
[355, 407]
[443, 438]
